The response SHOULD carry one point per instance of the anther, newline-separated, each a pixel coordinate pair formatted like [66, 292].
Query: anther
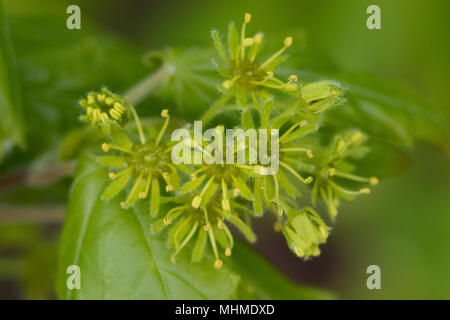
[228, 252]
[112, 175]
[364, 191]
[288, 42]
[293, 78]
[142, 195]
[105, 147]
[309, 180]
[373, 181]
[165, 113]
[196, 202]
[218, 264]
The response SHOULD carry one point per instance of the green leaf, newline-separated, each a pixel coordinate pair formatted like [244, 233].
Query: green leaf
[120, 258]
[11, 122]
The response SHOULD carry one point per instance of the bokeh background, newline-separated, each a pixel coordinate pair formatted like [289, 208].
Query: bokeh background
[404, 226]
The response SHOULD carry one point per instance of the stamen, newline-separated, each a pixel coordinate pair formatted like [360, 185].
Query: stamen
[292, 128]
[138, 122]
[364, 191]
[164, 114]
[198, 199]
[106, 147]
[218, 264]
[346, 191]
[372, 180]
[296, 174]
[307, 151]
[287, 43]
[144, 194]
[113, 175]
[166, 178]
[247, 19]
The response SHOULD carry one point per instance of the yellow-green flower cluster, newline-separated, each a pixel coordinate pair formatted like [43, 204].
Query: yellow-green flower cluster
[320, 96]
[305, 231]
[209, 197]
[334, 169]
[246, 76]
[145, 163]
[103, 108]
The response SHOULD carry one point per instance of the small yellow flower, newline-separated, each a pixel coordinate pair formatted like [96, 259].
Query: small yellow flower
[103, 108]
[147, 162]
[245, 75]
[333, 167]
[304, 231]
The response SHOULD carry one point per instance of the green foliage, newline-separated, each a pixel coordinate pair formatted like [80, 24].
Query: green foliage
[58, 67]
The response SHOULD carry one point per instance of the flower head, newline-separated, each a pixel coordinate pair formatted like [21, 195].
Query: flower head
[103, 108]
[333, 169]
[205, 223]
[304, 231]
[272, 187]
[245, 74]
[320, 96]
[145, 162]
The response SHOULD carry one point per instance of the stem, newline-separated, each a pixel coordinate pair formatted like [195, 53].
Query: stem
[25, 214]
[211, 112]
[148, 85]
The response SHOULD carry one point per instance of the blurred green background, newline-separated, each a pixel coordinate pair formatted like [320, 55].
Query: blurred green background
[403, 226]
